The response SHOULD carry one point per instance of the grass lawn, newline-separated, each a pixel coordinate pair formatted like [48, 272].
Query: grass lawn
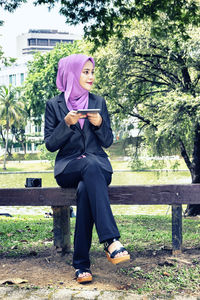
[26, 166]
[143, 236]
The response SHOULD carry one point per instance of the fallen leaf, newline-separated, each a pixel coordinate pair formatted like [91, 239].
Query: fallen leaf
[14, 247]
[13, 281]
[9, 234]
[166, 274]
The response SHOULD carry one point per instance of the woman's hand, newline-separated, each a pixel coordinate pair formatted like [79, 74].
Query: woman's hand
[72, 117]
[95, 118]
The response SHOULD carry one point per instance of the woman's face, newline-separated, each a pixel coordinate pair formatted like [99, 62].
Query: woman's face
[87, 76]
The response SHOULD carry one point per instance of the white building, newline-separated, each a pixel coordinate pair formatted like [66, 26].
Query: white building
[42, 40]
[27, 44]
[16, 73]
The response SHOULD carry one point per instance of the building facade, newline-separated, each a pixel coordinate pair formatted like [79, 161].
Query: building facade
[41, 40]
[15, 74]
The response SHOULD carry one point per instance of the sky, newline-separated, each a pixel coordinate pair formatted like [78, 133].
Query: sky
[29, 17]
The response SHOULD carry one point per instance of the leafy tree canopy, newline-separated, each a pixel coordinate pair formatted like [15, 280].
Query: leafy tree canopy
[11, 112]
[157, 82]
[5, 61]
[40, 84]
[105, 18]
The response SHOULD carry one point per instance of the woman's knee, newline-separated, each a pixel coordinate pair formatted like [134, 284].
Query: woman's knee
[81, 189]
[93, 171]
[92, 167]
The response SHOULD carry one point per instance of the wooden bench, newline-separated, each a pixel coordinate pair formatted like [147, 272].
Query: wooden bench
[61, 199]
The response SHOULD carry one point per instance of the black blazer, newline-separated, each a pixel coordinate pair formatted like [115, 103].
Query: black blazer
[72, 141]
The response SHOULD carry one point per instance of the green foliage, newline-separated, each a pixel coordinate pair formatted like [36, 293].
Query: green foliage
[139, 164]
[16, 156]
[156, 82]
[105, 18]
[40, 84]
[6, 61]
[12, 112]
[47, 155]
[30, 156]
[11, 5]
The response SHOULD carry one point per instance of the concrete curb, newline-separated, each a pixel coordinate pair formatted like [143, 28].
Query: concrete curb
[16, 293]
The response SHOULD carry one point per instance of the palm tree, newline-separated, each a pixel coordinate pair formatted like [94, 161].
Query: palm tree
[11, 110]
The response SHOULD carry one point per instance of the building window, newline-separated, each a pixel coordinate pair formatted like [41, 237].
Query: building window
[37, 128]
[42, 42]
[54, 42]
[29, 147]
[32, 42]
[22, 77]
[12, 79]
[67, 41]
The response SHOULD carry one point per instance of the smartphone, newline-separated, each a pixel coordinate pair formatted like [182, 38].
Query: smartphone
[88, 110]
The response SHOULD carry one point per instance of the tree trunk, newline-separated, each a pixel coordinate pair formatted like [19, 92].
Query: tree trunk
[6, 147]
[194, 167]
[24, 147]
[2, 136]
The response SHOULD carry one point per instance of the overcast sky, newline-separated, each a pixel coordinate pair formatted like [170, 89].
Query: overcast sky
[29, 17]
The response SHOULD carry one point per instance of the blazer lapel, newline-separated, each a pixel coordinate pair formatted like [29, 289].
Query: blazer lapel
[62, 104]
[63, 107]
[91, 101]
[91, 104]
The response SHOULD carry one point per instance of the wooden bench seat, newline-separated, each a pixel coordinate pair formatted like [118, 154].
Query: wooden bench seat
[61, 199]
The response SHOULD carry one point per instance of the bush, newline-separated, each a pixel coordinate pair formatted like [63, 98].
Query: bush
[17, 156]
[46, 155]
[31, 156]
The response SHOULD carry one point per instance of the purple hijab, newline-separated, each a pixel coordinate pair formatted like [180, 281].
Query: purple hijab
[67, 81]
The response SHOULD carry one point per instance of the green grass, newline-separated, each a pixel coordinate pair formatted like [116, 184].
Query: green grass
[165, 281]
[22, 236]
[139, 233]
[27, 166]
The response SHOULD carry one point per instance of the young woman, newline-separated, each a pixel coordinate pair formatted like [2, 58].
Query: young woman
[81, 161]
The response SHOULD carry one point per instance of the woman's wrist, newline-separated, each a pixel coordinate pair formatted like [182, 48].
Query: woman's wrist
[66, 122]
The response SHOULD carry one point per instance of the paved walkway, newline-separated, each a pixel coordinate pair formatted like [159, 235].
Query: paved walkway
[15, 293]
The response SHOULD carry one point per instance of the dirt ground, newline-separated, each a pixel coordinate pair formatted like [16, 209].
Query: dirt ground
[50, 268]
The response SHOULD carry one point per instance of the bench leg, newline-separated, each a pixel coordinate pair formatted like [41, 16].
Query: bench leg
[61, 227]
[176, 229]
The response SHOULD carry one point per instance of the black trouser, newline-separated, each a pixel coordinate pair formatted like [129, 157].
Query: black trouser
[93, 206]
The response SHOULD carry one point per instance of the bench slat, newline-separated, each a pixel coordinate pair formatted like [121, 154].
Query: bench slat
[37, 196]
[155, 194]
[126, 194]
